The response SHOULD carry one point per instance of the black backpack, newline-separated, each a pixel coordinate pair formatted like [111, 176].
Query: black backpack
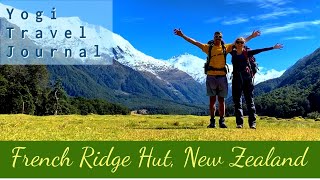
[207, 66]
[252, 65]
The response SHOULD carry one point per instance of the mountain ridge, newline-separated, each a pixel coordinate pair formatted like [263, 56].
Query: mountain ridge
[293, 93]
[122, 84]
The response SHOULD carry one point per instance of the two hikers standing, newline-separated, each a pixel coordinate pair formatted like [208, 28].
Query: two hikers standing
[217, 83]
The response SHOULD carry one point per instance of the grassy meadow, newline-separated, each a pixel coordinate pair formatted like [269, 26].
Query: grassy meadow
[151, 128]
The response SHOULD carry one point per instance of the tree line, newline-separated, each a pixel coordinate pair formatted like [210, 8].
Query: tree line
[286, 102]
[28, 90]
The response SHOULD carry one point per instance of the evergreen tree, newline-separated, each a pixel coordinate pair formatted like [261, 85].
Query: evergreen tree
[57, 100]
[314, 98]
[37, 81]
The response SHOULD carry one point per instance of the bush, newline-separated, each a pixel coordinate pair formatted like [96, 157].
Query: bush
[314, 115]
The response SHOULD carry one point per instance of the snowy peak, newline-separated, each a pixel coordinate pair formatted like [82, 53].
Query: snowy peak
[190, 64]
[186, 60]
[110, 44]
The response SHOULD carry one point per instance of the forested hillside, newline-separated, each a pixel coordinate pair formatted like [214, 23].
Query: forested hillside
[296, 93]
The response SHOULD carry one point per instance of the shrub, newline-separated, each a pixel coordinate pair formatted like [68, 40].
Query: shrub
[314, 115]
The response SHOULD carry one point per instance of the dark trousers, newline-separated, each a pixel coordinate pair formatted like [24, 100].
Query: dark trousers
[243, 84]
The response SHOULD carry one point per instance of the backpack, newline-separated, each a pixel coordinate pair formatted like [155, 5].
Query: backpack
[207, 66]
[252, 65]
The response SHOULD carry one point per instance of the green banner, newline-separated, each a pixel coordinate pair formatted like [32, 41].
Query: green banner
[159, 159]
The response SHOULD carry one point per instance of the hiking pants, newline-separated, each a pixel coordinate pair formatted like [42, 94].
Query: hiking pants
[243, 84]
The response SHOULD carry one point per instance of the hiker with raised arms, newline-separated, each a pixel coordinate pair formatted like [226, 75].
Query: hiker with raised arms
[217, 84]
[242, 81]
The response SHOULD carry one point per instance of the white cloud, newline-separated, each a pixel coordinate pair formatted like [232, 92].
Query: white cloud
[279, 13]
[266, 4]
[272, 3]
[237, 20]
[226, 21]
[213, 20]
[299, 38]
[288, 27]
[275, 14]
[291, 26]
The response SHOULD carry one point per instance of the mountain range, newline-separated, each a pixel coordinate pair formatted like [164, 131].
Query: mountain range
[134, 79]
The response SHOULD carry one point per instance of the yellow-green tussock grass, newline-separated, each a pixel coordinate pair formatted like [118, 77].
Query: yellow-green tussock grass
[151, 128]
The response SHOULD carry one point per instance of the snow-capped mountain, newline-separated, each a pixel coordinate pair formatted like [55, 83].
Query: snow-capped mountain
[262, 75]
[146, 78]
[190, 64]
[110, 44]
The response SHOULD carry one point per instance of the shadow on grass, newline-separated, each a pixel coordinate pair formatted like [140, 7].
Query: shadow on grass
[168, 128]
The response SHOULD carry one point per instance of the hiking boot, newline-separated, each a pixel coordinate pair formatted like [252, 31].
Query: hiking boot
[240, 126]
[253, 126]
[212, 123]
[222, 123]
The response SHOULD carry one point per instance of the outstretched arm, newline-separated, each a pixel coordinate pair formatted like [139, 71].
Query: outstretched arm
[178, 32]
[253, 35]
[257, 51]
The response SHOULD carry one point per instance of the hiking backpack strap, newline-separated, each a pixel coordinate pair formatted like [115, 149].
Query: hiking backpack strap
[209, 54]
[207, 64]
[224, 49]
[245, 53]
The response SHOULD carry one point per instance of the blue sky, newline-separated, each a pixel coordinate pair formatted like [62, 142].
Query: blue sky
[148, 24]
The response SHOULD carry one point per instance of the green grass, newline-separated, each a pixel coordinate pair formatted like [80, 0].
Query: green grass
[151, 128]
